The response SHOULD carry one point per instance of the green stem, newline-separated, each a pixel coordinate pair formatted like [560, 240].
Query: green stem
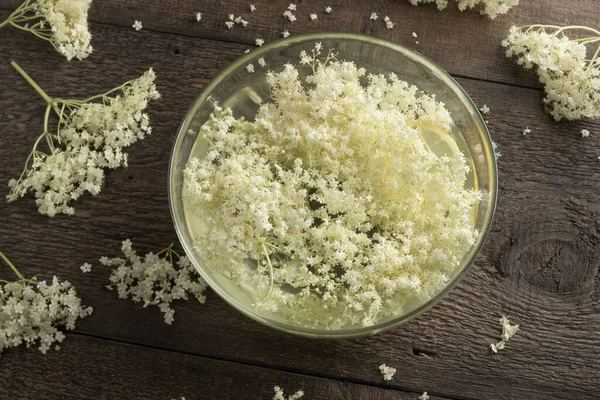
[594, 58]
[99, 96]
[270, 271]
[5, 23]
[38, 89]
[31, 154]
[168, 248]
[578, 27]
[15, 270]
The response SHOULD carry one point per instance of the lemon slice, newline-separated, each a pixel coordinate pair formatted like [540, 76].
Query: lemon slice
[442, 144]
[436, 138]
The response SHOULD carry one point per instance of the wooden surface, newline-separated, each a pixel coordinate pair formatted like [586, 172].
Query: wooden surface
[539, 265]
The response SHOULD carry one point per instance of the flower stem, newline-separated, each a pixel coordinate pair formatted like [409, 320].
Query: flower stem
[15, 270]
[5, 23]
[38, 89]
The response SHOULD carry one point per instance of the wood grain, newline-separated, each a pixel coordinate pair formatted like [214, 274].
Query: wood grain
[91, 368]
[463, 43]
[539, 266]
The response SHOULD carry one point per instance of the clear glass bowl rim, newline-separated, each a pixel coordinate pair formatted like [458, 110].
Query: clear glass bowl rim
[315, 37]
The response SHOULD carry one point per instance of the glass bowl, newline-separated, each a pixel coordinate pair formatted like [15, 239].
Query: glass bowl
[376, 56]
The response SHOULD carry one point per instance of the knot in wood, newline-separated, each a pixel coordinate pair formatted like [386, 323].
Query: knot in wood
[552, 265]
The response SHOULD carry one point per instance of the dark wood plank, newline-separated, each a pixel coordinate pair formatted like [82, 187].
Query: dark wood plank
[546, 220]
[91, 368]
[462, 42]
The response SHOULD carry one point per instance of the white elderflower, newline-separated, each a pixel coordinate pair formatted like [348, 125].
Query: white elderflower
[374, 16]
[424, 396]
[508, 331]
[252, 7]
[484, 109]
[137, 25]
[279, 394]
[85, 268]
[285, 33]
[259, 42]
[571, 80]
[313, 17]
[491, 8]
[64, 23]
[441, 4]
[91, 136]
[154, 280]
[414, 34]
[526, 131]
[585, 133]
[292, 7]
[198, 16]
[328, 10]
[289, 15]
[381, 232]
[262, 62]
[387, 372]
[388, 22]
[250, 68]
[32, 311]
[229, 24]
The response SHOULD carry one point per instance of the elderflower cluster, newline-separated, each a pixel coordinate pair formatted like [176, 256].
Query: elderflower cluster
[280, 395]
[492, 8]
[508, 331]
[31, 313]
[64, 23]
[571, 81]
[348, 215]
[155, 280]
[387, 372]
[90, 138]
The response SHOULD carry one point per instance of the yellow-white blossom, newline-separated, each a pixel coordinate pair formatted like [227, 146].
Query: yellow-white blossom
[64, 23]
[492, 8]
[571, 79]
[32, 311]
[155, 280]
[332, 191]
[91, 136]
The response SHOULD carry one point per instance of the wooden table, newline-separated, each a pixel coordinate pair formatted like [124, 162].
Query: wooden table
[539, 265]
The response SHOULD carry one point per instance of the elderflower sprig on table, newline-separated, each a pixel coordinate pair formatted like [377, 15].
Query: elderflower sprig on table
[491, 8]
[90, 136]
[155, 280]
[31, 311]
[63, 23]
[571, 79]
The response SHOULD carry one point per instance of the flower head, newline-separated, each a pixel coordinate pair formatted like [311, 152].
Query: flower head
[492, 8]
[571, 81]
[155, 279]
[64, 23]
[90, 137]
[137, 25]
[32, 311]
